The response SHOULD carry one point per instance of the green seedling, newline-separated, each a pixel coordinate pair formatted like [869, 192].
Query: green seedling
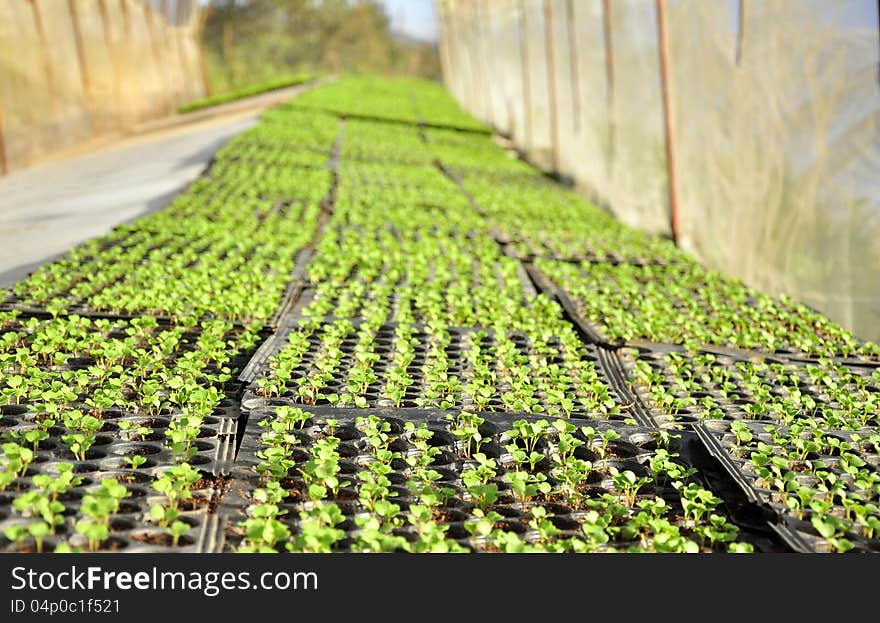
[176, 485]
[318, 533]
[135, 461]
[628, 484]
[466, 427]
[476, 479]
[525, 486]
[134, 431]
[97, 508]
[14, 463]
[176, 530]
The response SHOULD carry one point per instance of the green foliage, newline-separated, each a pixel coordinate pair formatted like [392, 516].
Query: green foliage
[253, 41]
[257, 89]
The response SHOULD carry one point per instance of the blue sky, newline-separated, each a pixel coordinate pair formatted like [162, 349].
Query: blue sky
[413, 17]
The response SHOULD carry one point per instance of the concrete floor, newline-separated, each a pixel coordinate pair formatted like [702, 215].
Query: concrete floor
[48, 209]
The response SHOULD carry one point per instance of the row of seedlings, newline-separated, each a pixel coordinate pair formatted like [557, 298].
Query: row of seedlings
[413, 101]
[797, 431]
[822, 484]
[405, 332]
[801, 438]
[95, 411]
[535, 217]
[410, 311]
[117, 360]
[688, 305]
[422, 482]
[625, 286]
[418, 320]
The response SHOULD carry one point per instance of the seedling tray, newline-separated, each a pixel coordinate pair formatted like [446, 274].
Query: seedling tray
[131, 529]
[685, 386]
[527, 250]
[282, 155]
[588, 331]
[633, 451]
[397, 120]
[352, 300]
[638, 294]
[214, 448]
[456, 178]
[97, 280]
[734, 452]
[294, 289]
[81, 308]
[108, 360]
[601, 373]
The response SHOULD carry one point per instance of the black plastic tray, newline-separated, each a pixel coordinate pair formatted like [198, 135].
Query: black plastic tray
[633, 449]
[606, 363]
[798, 534]
[655, 354]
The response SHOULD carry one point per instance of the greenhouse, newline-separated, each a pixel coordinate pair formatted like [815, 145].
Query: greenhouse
[375, 328]
[480, 277]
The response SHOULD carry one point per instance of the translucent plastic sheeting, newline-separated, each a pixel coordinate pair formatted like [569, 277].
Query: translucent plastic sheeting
[775, 127]
[18, 34]
[638, 190]
[780, 152]
[71, 70]
[561, 83]
[149, 96]
[460, 79]
[69, 120]
[538, 129]
[505, 81]
[191, 67]
[585, 138]
[101, 94]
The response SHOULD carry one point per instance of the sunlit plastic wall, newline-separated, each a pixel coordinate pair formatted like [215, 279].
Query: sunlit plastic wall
[72, 70]
[774, 109]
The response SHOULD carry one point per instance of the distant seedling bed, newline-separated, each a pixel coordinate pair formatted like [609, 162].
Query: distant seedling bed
[257, 89]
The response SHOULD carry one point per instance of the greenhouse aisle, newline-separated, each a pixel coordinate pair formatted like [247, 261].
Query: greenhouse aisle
[47, 209]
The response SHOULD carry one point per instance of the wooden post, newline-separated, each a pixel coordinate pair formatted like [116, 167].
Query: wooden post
[524, 62]
[609, 79]
[667, 119]
[44, 45]
[551, 83]
[573, 68]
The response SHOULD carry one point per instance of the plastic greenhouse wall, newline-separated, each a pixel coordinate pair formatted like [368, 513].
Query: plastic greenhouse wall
[774, 125]
[73, 70]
